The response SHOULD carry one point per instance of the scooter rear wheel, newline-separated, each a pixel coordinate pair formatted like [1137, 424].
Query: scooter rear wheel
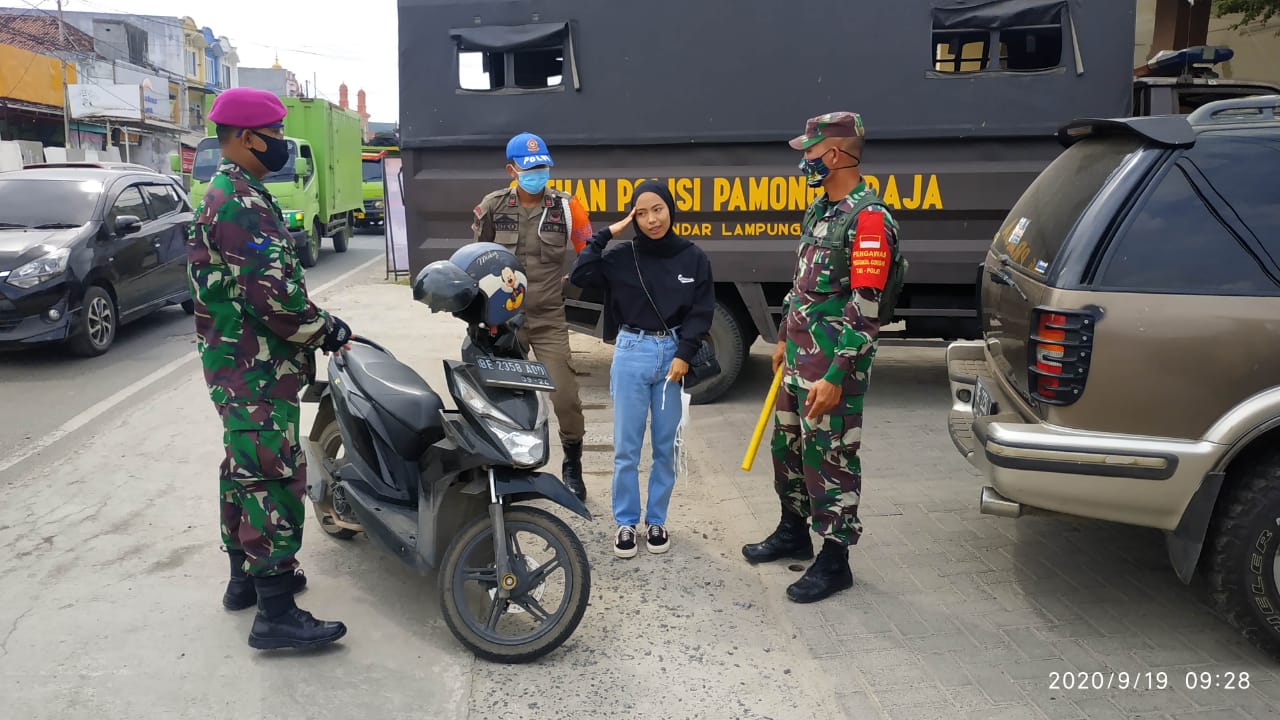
[330, 443]
[535, 629]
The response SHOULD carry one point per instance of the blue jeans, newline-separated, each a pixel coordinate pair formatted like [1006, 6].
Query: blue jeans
[638, 384]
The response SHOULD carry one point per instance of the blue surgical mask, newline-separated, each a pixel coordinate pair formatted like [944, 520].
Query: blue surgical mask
[533, 181]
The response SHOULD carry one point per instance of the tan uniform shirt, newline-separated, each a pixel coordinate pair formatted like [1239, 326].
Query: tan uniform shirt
[539, 238]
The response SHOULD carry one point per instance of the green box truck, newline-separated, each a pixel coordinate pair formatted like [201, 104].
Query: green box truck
[319, 189]
[373, 215]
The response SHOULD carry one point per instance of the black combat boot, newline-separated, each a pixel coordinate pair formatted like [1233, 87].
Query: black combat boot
[240, 594]
[572, 470]
[828, 575]
[282, 624]
[790, 540]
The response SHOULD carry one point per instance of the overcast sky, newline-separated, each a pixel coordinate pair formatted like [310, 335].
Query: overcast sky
[351, 42]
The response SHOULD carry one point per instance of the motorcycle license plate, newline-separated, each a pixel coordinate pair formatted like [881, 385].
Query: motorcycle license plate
[982, 403]
[517, 374]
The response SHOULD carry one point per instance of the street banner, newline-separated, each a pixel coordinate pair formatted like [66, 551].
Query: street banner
[397, 235]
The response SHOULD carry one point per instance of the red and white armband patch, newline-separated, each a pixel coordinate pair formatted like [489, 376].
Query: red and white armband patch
[870, 255]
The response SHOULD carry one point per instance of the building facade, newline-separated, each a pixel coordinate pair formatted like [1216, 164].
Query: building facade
[274, 79]
[210, 65]
[138, 83]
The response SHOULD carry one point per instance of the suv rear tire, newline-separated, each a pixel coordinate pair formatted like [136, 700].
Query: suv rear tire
[1244, 564]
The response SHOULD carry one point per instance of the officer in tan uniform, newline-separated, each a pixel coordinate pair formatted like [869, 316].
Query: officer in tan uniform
[545, 229]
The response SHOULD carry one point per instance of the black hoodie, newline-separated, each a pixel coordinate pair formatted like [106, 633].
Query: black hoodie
[676, 273]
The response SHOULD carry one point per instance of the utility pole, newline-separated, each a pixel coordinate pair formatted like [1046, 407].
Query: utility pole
[66, 93]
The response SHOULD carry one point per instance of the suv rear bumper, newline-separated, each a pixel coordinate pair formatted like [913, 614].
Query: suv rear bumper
[1122, 478]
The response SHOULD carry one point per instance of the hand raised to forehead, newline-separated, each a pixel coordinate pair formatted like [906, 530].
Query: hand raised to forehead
[618, 227]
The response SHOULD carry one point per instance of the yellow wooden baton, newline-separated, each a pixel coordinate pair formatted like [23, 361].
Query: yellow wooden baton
[750, 457]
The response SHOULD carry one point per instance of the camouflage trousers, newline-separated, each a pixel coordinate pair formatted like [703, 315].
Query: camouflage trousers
[262, 481]
[816, 469]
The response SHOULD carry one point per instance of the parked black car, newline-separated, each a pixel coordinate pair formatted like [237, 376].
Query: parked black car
[85, 248]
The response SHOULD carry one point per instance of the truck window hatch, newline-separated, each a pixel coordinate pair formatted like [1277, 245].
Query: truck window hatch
[514, 58]
[1009, 36]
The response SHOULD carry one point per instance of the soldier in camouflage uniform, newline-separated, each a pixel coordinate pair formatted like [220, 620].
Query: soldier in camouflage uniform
[257, 332]
[542, 226]
[826, 344]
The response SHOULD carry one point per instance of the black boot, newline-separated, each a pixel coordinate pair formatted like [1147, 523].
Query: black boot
[828, 575]
[282, 624]
[240, 594]
[572, 470]
[789, 540]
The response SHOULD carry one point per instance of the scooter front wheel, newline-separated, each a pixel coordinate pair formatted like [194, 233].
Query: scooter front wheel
[549, 585]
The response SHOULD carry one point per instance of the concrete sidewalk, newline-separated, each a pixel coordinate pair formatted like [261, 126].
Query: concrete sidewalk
[111, 602]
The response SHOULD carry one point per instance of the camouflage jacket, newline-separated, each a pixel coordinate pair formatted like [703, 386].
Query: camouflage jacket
[829, 320]
[256, 329]
[545, 238]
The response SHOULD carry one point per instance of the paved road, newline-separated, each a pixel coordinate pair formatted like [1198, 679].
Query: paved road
[45, 388]
[108, 608]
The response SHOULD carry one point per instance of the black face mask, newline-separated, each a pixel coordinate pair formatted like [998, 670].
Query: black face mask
[275, 156]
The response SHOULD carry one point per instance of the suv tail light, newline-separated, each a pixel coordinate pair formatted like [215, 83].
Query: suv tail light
[1058, 355]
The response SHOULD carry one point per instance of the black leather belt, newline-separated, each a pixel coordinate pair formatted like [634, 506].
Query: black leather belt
[641, 331]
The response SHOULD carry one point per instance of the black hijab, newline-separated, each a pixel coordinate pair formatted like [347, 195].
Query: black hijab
[668, 245]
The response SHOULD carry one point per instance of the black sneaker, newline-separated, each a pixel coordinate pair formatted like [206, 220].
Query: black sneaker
[657, 540]
[624, 541]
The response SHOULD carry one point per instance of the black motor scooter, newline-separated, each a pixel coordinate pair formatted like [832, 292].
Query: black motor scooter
[389, 460]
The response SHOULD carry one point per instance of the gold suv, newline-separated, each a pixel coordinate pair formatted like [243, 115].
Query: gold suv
[1129, 368]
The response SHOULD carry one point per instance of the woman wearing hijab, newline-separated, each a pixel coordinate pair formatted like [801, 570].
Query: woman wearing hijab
[659, 302]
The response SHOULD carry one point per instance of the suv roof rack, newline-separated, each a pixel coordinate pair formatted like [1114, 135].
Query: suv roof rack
[1256, 109]
[1167, 130]
[101, 165]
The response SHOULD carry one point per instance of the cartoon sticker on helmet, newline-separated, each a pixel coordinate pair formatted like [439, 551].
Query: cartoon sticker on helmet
[505, 290]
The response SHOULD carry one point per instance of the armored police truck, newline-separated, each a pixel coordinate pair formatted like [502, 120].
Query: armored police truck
[960, 99]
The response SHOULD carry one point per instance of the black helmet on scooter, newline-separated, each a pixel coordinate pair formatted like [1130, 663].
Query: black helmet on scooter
[481, 283]
[444, 287]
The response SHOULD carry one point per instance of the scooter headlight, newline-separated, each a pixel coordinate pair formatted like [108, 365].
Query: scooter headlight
[478, 403]
[527, 448]
[544, 408]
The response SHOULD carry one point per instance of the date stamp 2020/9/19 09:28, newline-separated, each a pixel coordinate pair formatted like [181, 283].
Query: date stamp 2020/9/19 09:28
[1147, 680]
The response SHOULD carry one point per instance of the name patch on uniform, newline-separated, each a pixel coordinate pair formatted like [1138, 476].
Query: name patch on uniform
[870, 256]
[506, 223]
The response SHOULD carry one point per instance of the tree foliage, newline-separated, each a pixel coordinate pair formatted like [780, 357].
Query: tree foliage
[1251, 11]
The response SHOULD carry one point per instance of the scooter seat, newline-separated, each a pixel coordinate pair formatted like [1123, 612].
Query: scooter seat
[399, 392]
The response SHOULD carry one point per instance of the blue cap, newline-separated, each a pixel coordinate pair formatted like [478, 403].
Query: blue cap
[527, 150]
